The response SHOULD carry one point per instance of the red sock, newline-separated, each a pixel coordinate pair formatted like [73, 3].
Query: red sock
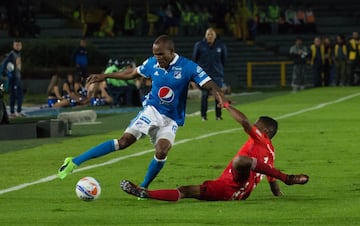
[165, 195]
[263, 168]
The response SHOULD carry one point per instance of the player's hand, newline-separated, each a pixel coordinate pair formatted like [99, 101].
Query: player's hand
[278, 193]
[95, 78]
[275, 188]
[222, 99]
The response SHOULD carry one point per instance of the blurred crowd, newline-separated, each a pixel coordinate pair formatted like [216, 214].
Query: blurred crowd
[241, 18]
[334, 62]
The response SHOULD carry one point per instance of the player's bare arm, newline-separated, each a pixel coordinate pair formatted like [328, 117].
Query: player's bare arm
[215, 89]
[127, 74]
[211, 86]
[235, 113]
[275, 188]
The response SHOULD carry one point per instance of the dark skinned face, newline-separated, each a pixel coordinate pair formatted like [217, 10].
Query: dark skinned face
[262, 127]
[163, 54]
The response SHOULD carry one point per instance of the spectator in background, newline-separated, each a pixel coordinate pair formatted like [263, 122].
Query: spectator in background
[129, 21]
[252, 12]
[132, 92]
[107, 25]
[264, 26]
[240, 13]
[187, 19]
[300, 18]
[97, 94]
[77, 13]
[123, 92]
[290, 18]
[80, 58]
[173, 17]
[80, 89]
[317, 60]
[93, 17]
[231, 23]
[54, 93]
[298, 53]
[340, 55]
[211, 54]
[117, 88]
[69, 91]
[328, 62]
[157, 21]
[274, 15]
[354, 58]
[196, 25]
[282, 25]
[12, 72]
[310, 25]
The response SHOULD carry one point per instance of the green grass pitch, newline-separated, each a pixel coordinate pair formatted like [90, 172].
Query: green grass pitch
[318, 135]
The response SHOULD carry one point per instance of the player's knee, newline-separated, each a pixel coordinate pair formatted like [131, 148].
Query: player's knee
[242, 162]
[161, 154]
[126, 140]
[183, 191]
[189, 191]
[122, 143]
[162, 148]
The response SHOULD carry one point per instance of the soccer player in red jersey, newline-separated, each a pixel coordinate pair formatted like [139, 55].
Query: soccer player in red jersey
[254, 160]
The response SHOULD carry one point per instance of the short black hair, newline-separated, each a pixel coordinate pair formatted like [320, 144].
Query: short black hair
[166, 40]
[270, 123]
[16, 40]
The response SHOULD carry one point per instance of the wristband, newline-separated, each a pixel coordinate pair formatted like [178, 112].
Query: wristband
[226, 104]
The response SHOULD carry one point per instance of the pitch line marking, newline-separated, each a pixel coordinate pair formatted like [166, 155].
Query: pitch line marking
[53, 177]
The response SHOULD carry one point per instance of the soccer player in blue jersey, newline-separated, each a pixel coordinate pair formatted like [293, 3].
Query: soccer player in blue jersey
[164, 106]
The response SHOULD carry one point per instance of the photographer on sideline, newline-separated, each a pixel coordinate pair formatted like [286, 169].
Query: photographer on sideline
[299, 54]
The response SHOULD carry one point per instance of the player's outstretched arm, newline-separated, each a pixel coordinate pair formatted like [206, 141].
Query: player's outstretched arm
[236, 114]
[127, 74]
[215, 89]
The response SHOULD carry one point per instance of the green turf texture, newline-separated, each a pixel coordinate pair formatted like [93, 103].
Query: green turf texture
[323, 143]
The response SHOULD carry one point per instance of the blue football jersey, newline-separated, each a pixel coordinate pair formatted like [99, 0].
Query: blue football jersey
[169, 87]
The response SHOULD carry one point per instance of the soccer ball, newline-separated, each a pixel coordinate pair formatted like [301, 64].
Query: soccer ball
[88, 189]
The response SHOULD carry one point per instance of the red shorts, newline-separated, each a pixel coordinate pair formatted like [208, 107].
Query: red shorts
[221, 190]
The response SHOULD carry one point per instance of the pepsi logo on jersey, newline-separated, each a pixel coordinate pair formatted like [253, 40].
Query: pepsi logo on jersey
[166, 94]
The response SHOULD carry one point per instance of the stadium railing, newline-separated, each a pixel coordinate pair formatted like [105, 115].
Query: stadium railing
[282, 68]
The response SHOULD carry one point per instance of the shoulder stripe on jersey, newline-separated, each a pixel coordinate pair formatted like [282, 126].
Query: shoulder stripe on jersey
[204, 81]
[139, 72]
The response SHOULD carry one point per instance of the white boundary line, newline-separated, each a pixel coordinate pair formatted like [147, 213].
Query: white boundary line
[53, 177]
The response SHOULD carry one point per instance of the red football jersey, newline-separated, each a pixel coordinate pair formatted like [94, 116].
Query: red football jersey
[258, 146]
